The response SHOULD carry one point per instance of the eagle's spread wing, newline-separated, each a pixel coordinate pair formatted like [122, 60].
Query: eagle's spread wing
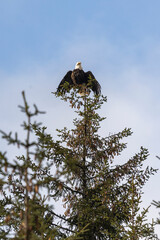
[94, 84]
[66, 83]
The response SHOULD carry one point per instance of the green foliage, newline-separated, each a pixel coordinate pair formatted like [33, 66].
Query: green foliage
[105, 196]
[26, 212]
[101, 199]
[157, 205]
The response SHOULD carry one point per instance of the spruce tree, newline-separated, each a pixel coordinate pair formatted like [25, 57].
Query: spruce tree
[25, 210]
[101, 196]
[157, 205]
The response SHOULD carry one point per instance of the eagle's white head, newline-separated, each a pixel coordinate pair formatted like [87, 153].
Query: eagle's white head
[78, 66]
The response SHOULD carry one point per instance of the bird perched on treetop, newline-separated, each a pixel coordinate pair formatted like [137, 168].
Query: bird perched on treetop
[83, 80]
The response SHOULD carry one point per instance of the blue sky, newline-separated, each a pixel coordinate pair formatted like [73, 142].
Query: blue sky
[41, 30]
[119, 41]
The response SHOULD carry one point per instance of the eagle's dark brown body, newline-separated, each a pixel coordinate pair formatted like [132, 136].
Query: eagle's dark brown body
[79, 77]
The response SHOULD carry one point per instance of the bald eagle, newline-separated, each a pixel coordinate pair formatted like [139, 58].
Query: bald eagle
[83, 80]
